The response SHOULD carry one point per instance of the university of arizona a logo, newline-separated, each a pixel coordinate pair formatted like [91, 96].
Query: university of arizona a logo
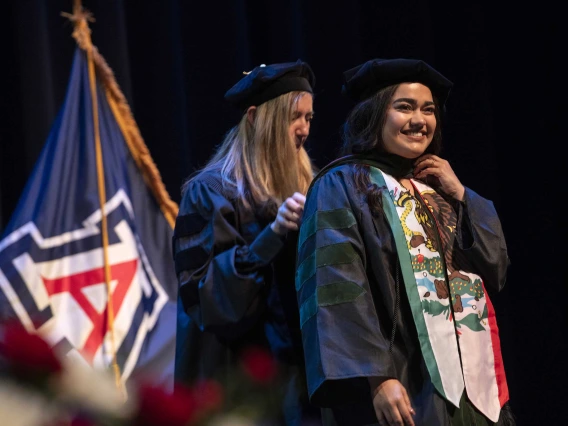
[55, 285]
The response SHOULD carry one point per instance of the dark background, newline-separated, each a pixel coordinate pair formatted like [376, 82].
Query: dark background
[175, 59]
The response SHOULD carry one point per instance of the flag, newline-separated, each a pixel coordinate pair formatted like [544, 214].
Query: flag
[86, 258]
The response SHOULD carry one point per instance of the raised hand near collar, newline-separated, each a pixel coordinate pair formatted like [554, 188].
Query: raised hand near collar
[289, 214]
[438, 173]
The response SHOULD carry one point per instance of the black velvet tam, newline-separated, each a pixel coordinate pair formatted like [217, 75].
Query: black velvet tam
[267, 82]
[366, 79]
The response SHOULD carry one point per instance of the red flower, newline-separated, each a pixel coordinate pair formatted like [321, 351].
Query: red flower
[82, 421]
[259, 365]
[208, 395]
[78, 420]
[27, 354]
[159, 407]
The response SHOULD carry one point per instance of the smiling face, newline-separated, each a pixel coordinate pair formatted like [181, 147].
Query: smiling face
[410, 121]
[302, 115]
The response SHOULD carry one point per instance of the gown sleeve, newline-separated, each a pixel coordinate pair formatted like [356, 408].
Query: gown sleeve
[344, 342]
[220, 277]
[480, 236]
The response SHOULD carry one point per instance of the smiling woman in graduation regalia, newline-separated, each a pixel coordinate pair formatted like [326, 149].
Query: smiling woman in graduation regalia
[395, 260]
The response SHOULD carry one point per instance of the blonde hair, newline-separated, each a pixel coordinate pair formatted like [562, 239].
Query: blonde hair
[259, 161]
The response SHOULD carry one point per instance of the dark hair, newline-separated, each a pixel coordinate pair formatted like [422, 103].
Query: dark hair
[363, 132]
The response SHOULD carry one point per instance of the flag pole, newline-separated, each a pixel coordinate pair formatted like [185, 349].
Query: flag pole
[82, 34]
[128, 127]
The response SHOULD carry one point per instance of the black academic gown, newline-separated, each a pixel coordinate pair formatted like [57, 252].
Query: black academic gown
[347, 338]
[236, 289]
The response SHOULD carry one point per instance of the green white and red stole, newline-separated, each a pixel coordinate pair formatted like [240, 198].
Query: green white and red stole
[451, 310]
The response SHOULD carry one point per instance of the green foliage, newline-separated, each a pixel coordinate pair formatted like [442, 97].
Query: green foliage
[472, 322]
[434, 308]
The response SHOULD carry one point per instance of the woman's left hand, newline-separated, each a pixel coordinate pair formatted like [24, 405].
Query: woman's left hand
[430, 167]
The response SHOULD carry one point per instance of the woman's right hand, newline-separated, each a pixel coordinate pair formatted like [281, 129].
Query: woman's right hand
[289, 214]
[391, 404]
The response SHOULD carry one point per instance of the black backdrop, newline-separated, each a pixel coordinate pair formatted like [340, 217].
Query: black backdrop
[175, 59]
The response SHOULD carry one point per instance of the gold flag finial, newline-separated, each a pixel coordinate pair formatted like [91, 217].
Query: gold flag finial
[80, 18]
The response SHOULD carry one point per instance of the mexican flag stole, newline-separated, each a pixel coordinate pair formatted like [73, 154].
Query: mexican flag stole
[454, 317]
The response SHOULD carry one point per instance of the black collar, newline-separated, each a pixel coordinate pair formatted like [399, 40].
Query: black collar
[394, 165]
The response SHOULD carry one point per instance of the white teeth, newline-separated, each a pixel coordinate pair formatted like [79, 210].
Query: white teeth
[414, 134]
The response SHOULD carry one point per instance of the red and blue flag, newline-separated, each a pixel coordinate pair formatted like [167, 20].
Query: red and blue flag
[86, 259]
